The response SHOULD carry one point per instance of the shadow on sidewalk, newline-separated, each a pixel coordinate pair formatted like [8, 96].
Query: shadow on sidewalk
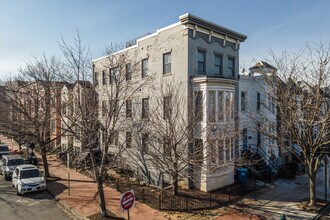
[81, 181]
[98, 216]
[56, 188]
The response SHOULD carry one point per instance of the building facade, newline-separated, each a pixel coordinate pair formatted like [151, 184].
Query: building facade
[258, 113]
[201, 60]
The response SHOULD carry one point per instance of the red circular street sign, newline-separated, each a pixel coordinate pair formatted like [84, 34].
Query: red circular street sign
[127, 200]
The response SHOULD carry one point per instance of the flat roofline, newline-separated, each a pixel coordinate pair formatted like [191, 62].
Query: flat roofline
[140, 39]
[185, 19]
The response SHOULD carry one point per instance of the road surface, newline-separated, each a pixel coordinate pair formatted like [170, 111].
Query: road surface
[33, 206]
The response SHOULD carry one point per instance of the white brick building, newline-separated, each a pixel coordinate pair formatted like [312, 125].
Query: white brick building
[193, 54]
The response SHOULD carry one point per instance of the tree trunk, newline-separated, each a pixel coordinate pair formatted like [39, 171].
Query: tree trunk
[99, 182]
[312, 191]
[175, 183]
[44, 161]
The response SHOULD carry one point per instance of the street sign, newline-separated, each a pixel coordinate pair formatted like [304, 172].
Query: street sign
[127, 200]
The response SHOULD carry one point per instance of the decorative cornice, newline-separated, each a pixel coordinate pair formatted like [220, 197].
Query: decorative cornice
[199, 24]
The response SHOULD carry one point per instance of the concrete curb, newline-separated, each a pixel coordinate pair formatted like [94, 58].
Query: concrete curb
[66, 207]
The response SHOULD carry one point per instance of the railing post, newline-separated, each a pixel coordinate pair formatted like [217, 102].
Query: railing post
[186, 200]
[69, 183]
[160, 202]
[210, 200]
[143, 194]
[229, 193]
[117, 185]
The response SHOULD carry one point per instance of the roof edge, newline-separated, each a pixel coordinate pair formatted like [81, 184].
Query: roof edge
[193, 19]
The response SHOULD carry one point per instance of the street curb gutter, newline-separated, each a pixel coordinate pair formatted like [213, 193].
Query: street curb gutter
[67, 208]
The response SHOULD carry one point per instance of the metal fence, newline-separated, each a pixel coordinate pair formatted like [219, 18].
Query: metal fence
[187, 200]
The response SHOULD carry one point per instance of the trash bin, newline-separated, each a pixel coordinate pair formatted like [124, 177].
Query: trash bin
[242, 174]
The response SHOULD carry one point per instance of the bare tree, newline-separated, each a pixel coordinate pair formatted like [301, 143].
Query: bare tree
[100, 119]
[173, 123]
[301, 88]
[32, 97]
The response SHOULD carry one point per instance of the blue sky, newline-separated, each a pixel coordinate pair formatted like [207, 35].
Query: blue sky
[34, 27]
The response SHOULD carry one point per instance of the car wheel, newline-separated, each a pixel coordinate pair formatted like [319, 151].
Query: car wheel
[7, 178]
[17, 192]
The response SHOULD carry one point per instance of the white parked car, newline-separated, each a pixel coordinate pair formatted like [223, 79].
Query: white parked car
[27, 178]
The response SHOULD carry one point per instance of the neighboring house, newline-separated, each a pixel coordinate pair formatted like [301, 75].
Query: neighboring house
[258, 113]
[55, 115]
[79, 106]
[196, 55]
[36, 110]
[67, 117]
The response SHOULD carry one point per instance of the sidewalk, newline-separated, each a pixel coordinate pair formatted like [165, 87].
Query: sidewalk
[283, 196]
[83, 198]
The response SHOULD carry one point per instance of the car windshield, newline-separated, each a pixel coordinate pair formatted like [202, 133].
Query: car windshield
[15, 162]
[25, 174]
[4, 148]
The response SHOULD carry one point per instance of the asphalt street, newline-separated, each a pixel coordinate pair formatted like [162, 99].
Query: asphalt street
[32, 206]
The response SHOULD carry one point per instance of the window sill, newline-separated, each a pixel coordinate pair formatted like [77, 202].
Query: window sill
[167, 74]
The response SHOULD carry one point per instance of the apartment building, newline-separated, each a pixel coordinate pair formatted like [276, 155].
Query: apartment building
[201, 60]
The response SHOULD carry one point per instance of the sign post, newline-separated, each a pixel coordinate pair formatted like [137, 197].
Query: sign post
[127, 200]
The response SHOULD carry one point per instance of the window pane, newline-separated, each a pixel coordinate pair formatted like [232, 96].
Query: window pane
[217, 60]
[220, 106]
[167, 63]
[232, 143]
[227, 104]
[103, 77]
[201, 67]
[128, 139]
[211, 106]
[201, 56]
[220, 151]
[145, 138]
[199, 105]
[231, 66]
[218, 64]
[129, 108]
[144, 68]
[201, 62]
[145, 108]
[243, 101]
[128, 71]
[232, 105]
[212, 151]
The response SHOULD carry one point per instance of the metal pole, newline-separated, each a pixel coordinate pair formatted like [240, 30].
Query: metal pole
[69, 183]
[325, 179]
[128, 214]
